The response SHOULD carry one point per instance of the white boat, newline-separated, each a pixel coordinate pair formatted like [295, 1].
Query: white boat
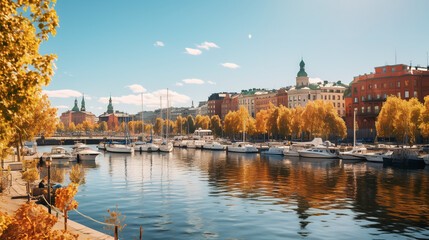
[145, 147]
[184, 143]
[166, 147]
[426, 159]
[242, 147]
[195, 144]
[203, 134]
[59, 155]
[82, 152]
[357, 153]
[102, 146]
[279, 150]
[119, 148]
[374, 157]
[214, 146]
[318, 152]
[292, 151]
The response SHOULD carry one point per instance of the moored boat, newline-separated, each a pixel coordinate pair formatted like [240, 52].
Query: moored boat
[318, 152]
[82, 152]
[279, 150]
[214, 146]
[242, 147]
[166, 147]
[119, 148]
[145, 147]
[357, 153]
[58, 155]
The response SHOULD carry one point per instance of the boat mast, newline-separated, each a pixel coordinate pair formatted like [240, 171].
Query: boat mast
[354, 128]
[160, 104]
[167, 130]
[142, 119]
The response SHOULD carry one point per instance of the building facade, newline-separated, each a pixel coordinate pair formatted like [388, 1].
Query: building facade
[214, 103]
[369, 91]
[229, 104]
[247, 99]
[277, 98]
[305, 91]
[76, 115]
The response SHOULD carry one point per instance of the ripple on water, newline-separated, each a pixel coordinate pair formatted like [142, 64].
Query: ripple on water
[193, 194]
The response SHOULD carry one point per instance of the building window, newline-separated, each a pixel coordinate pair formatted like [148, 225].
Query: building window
[363, 109]
[363, 98]
[393, 69]
[375, 85]
[376, 109]
[384, 85]
[363, 87]
[356, 100]
[329, 97]
[334, 104]
[325, 97]
[343, 104]
[338, 97]
[369, 96]
[299, 98]
[384, 96]
[399, 94]
[399, 84]
[378, 96]
[384, 69]
[355, 90]
[355, 109]
[415, 82]
[369, 86]
[415, 94]
[314, 97]
[369, 109]
[407, 94]
[309, 97]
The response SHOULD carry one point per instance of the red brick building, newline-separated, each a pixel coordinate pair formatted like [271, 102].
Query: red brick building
[277, 98]
[369, 91]
[214, 103]
[77, 116]
[229, 103]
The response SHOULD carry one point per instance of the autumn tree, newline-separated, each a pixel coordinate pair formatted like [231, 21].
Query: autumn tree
[60, 127]
[72, 127]
[157, 126]
[261, 122]
[180, 125]
[296, 121]
[284, 121]
[190, 124]
[24, 71]
[424, 118]
[112, 122]
[102, 126]
[216, 126]
[400, 118]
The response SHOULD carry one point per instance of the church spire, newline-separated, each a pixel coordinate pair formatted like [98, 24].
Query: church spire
[75, 108]
[110, 106]
[82, 106]
[302, 72]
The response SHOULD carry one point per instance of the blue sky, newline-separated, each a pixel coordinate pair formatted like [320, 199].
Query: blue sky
[107, 47]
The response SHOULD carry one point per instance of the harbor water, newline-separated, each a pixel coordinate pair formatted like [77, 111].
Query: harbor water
[199, 194]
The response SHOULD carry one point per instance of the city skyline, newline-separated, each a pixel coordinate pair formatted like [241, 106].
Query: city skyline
[198, 49]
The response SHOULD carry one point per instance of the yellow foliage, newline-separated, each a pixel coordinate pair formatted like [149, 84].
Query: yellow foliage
[64, 197]
[424, 118]
[115, 219]
[30, 176]
[216, 126]
[77, 174]
[5, 221]
[57, 175]
[399, 118]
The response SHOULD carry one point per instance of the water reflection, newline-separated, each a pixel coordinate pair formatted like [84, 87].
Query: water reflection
[195, 194]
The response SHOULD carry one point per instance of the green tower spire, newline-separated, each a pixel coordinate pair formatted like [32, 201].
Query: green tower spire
[82, 106]
[302, 72]
[110, 106]
[75, 108]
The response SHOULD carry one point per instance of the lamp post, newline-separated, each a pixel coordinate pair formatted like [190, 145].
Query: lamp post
[48, 163]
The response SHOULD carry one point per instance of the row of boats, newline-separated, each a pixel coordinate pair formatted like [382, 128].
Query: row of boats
[79, 153]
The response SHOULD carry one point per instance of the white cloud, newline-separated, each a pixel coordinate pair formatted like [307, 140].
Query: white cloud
[61, 107]
[230, 65]
[87, 97]
[250, 36]
[193, 51]
[193, 81]
[137, 88]
[179, 84]
[149, 99]
[99, 108]
[64, 93]
[210, 82]
[159, 44]
[315, 80]
[208, 45]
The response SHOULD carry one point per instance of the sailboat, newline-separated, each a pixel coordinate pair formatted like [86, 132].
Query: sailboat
[145, 146]
[243, 147]
[121, 147]
[357, 153]
[165, 146]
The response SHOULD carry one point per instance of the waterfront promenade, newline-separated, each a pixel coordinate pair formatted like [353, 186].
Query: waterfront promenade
[9, 204]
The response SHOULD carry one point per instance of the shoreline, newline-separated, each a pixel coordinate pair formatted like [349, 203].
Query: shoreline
[18, 188]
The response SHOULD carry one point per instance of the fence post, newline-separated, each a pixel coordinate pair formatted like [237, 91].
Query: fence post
[65, 220]
[116, 232]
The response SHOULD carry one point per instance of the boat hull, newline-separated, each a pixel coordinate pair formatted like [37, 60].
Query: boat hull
[243, 149]
[119, 149]
[274, 151]
[146, 148]
[346, 156]
[305, 154]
